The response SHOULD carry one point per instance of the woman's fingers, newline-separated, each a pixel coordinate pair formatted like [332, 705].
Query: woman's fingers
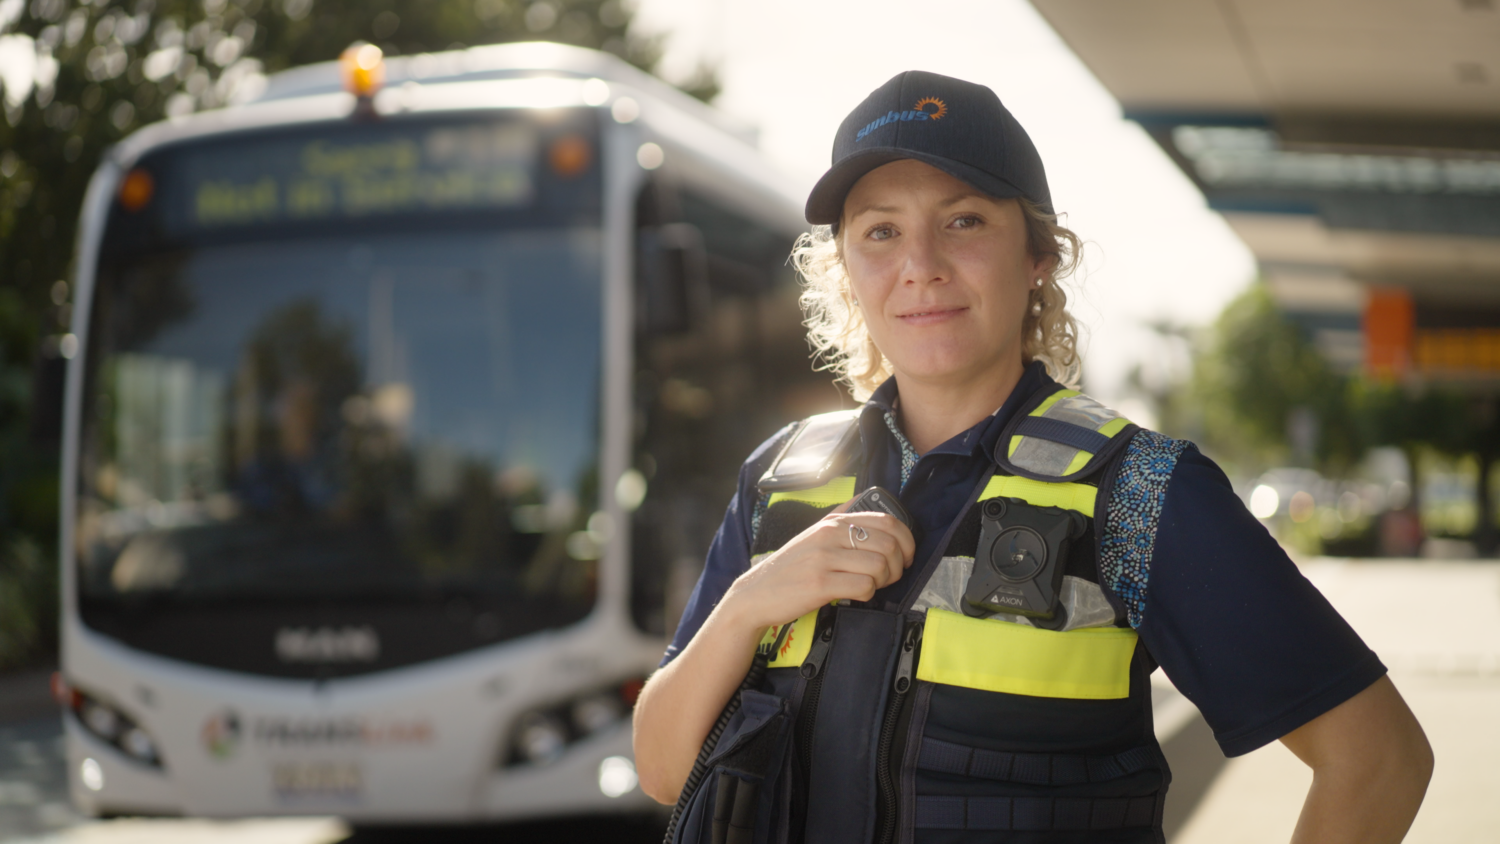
[880, 534]
[885, 523]
[843, 584]
[871, 564]
[886, 549]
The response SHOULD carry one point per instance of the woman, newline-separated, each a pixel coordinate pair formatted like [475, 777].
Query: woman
[983, 675]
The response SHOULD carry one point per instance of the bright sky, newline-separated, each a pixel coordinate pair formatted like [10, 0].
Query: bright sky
[796, 67]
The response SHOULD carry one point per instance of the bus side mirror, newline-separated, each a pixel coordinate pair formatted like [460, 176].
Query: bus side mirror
[673, 279]
[48, 377]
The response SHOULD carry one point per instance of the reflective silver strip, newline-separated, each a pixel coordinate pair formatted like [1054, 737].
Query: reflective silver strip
[1043, 457]
[1081, 411]
[1083, 600]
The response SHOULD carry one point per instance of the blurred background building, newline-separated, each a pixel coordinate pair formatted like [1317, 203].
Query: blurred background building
[1355, 148]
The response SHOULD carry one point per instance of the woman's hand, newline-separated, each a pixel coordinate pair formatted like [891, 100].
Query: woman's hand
[824, 563]
[841, 556]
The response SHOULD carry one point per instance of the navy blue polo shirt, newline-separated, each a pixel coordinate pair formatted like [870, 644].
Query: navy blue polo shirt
[1229, 618]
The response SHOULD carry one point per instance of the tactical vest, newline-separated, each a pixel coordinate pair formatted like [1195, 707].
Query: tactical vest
[920, 723]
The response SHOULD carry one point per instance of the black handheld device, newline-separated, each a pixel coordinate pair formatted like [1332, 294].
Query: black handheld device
[878, 500]
[1018, 567]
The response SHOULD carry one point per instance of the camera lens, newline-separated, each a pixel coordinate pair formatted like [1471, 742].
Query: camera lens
[1018, 554]
[994, 508]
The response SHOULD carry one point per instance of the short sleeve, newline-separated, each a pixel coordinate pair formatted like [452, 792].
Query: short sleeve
[729, 553]
[1230, 618]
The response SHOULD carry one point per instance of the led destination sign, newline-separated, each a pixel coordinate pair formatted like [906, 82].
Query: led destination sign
[355, 173]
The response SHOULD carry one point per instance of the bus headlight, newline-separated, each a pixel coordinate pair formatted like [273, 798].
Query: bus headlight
[91, 774]
[594, 713]
[100, 719]
[108, 723]
[541, 738]
[617, 776]
[135, 742]
[544, 734]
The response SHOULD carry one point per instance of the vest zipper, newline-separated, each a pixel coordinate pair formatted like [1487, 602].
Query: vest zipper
[887, 765]
[812, 670]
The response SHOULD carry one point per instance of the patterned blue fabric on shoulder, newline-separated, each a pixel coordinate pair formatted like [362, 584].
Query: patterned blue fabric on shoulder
[1132, 517]
[908, 454]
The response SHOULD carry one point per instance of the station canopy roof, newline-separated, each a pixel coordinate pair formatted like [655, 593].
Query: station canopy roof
[1353, 144]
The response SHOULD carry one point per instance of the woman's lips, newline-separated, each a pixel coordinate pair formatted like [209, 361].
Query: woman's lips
[930, 316]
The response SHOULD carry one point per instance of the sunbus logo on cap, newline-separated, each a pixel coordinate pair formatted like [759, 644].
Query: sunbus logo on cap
[927, 108]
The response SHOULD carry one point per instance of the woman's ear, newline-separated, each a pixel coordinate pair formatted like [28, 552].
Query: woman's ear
[1043, 265]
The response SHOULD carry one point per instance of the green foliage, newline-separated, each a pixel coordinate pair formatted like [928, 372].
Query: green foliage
[1414, 417]
[1254, 376]
[28, 498]
[28, 601]
[79, 75]
[1255, 371]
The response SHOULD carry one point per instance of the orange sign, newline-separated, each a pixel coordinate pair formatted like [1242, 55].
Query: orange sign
[1390, 328]
[1458, 351]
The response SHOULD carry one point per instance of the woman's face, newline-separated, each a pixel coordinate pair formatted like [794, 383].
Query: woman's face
[941, 272]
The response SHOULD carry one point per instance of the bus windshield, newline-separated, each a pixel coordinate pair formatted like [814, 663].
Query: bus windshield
[394, 434]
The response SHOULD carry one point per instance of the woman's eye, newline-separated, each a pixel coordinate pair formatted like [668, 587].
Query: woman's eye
[881, 233]
[967, 221]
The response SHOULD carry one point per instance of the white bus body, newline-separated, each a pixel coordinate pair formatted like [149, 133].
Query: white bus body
[303, 717]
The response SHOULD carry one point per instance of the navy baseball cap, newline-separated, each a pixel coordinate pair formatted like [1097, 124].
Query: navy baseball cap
[956, 126]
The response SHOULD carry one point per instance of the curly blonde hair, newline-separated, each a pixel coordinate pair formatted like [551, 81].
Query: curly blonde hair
[841, 341]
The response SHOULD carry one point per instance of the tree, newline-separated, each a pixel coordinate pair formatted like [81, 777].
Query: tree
[1416, 416]
[79, 75]
[1262, 394]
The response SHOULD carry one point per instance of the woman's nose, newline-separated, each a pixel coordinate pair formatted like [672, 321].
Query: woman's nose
[922, 260]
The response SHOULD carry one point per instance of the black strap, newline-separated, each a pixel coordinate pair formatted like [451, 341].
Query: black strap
[929, 568]
[1066, 433]
[1036, 813]
[1031, 768]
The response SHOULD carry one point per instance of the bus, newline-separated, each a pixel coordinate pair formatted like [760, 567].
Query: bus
[398, 425]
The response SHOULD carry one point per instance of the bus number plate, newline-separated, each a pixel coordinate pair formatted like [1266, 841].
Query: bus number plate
[317, 779]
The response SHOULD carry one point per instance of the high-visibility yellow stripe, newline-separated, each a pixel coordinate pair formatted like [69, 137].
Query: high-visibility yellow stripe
[797, 643]
[1080, 460]
[1092, 663]
[1069, 496]
[1114, 426]
[835, 492]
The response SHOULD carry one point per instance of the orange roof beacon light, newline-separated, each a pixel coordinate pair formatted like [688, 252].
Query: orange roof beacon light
[570, 155]
[136, 189]
[363, 68]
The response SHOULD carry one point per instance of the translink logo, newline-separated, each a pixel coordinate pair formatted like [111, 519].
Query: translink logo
[927, 108]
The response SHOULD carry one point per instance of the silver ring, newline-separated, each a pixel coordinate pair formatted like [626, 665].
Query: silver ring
[857, 534]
